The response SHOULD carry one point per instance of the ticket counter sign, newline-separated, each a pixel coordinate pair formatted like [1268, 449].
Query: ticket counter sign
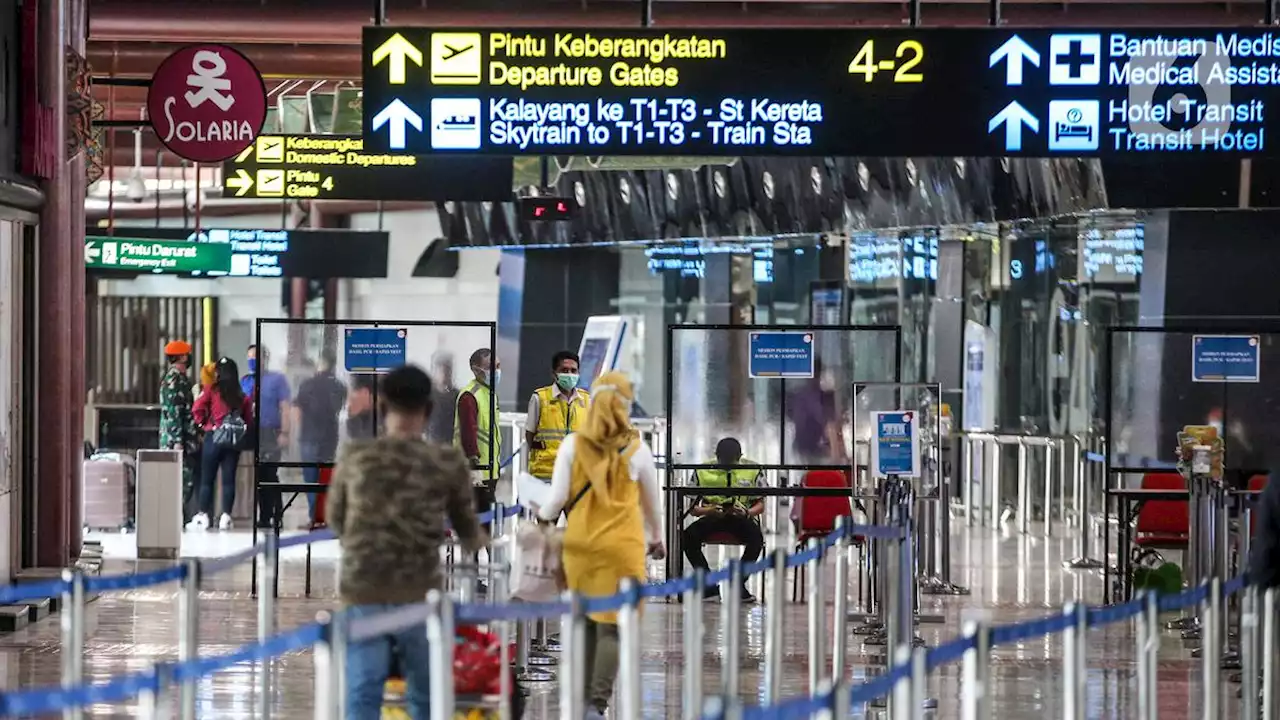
[1226, 358]
[158, 256]
[781, 355]
[207, 102]
[895, 449]
[375, 350]
[798, 92]
[337, 167]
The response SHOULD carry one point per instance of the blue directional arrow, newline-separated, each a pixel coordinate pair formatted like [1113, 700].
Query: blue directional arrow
[1013, 117]
[1014, 52]
[396, 115]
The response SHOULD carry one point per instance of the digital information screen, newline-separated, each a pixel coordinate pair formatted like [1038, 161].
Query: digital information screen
[336, 167]
[315, 254]
[842, 92]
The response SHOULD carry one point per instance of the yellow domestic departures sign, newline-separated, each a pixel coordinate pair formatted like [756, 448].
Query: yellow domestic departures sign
[308, 166]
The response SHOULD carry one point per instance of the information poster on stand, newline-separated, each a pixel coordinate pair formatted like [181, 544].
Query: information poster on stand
[375, 350]
[895, 449]
[781, 355]
[1225, 358]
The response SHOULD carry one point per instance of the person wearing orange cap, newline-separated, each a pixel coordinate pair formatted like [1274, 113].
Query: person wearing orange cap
[177, 424]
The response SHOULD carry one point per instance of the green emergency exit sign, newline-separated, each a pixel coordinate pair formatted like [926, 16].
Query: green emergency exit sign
[160, 256]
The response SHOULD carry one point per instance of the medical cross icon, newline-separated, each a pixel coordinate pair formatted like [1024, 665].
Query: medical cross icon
[1075, 59]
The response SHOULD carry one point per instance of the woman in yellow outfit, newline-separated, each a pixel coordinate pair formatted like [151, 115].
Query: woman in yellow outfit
[606, 482]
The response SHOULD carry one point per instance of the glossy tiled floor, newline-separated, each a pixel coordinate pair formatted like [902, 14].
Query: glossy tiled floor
[1011, 576]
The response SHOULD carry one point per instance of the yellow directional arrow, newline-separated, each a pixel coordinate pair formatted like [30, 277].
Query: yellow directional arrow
[396, 49]
[242, 182]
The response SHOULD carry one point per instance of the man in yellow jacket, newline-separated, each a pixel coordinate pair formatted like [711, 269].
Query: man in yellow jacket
[736, 517]
[554, 411]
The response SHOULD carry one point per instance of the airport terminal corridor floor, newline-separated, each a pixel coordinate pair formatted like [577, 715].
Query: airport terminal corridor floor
[1011, 577]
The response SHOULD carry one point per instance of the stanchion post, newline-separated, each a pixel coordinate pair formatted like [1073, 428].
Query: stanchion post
[840, 606]
[1269, 650]
[966, 477]
[732, 630]
[694, 633]
[773, 629]
[630, 702]
[817, 617]
[1073, 662]
[1148, 645]
[440, 642]
[1211, 651]
[573, 673]
[900, 698]
[919, 683]
[72, 626]
[157, 704]
[268, 561]
[975, 703]
[338, 638]
[1250, 664]
[322, 655]
[189, 632]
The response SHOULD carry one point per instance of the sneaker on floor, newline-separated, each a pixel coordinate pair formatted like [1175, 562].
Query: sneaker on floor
[199, 522]
[224, 522]
[711, 593]
[747, 597]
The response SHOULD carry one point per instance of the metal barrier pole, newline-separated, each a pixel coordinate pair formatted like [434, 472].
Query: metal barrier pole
[997, 457]
[630, 704]
[573, 676]
[773, 639]
[338, 668]
[1050, 450]
[268, 561]
[157, 704]
[1024, 489]
[1083, 561]
[919, 685]
[1073, 641]
[1250, 662]
[732, 630]
[817, 618]
[1148, 661]
[966, 477]
[189, 632]
[694, 633]
[840, 608]
[72, 626]
[440, 642]
[1211, 651]
[1269, 650]
[900, 705]
[322, 655]
[974, 701]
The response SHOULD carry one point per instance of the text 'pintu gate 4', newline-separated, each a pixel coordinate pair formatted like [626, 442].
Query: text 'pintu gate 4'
[890, 92]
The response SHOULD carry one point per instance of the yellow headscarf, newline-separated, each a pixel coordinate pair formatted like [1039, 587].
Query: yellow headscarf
[207, 374]
[599, 459]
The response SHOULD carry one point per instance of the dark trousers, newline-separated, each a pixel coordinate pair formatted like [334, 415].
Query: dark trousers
[743, 529]
[192, 471]
[212, 459]
[268, 452]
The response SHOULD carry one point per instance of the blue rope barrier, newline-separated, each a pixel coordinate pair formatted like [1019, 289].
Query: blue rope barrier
[133, 581]
[1028, 629]
[1111, 614]
[21, 592]
[49, 701]
[282, 644]
[879, 686]
[949, 652]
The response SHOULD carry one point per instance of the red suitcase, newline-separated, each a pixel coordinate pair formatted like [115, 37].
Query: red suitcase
[108, 493]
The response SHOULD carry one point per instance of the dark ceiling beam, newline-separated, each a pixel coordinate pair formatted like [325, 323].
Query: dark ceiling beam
[140, 59]
[146, 209]
[330, 22]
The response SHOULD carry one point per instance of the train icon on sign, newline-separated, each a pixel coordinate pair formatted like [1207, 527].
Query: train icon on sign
[455, 123]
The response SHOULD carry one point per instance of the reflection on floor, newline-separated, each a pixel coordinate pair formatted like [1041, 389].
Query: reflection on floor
[1011, 576]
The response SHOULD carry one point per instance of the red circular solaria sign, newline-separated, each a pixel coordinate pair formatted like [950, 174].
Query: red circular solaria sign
[207, 102]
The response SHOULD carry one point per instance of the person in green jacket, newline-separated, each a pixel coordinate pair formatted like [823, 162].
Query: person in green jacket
[735, 516]
[475, 427]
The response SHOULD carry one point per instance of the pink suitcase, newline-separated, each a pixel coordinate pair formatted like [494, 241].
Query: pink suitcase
[108, 494]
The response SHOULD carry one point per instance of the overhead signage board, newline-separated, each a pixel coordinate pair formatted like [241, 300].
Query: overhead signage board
[207, 102]
[269, 253]
[895, 450]
[110, 252]
[1225, 358]
[336, 167]
[841, 92]
[375, 350]
[781, 355]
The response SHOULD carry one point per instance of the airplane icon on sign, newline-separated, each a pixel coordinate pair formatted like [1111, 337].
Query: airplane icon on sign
[453, 52]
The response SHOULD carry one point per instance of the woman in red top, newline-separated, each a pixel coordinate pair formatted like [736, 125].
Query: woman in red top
[211, 409]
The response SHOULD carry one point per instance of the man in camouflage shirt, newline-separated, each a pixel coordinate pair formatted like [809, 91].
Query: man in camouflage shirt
[177, 425]
[391, 502]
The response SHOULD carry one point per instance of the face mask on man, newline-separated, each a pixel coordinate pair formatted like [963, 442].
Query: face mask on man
[252, 365]
[492, 377]
[567, 381]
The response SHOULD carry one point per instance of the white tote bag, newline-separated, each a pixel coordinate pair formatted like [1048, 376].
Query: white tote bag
[538, 572]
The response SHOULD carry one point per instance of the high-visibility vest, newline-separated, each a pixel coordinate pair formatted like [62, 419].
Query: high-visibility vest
[486, 427]
[556, 419]
[741, 477]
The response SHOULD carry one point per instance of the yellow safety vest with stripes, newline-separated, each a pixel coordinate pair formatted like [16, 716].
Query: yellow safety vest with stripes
[556, 419]
[741, 477]
[486, 427]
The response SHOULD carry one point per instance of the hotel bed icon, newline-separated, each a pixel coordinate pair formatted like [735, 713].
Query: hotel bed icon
[1073, 125]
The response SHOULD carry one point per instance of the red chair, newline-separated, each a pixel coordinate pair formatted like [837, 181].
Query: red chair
[326, 474]
[1257, 483]
[815, 517]
[1164, 524]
